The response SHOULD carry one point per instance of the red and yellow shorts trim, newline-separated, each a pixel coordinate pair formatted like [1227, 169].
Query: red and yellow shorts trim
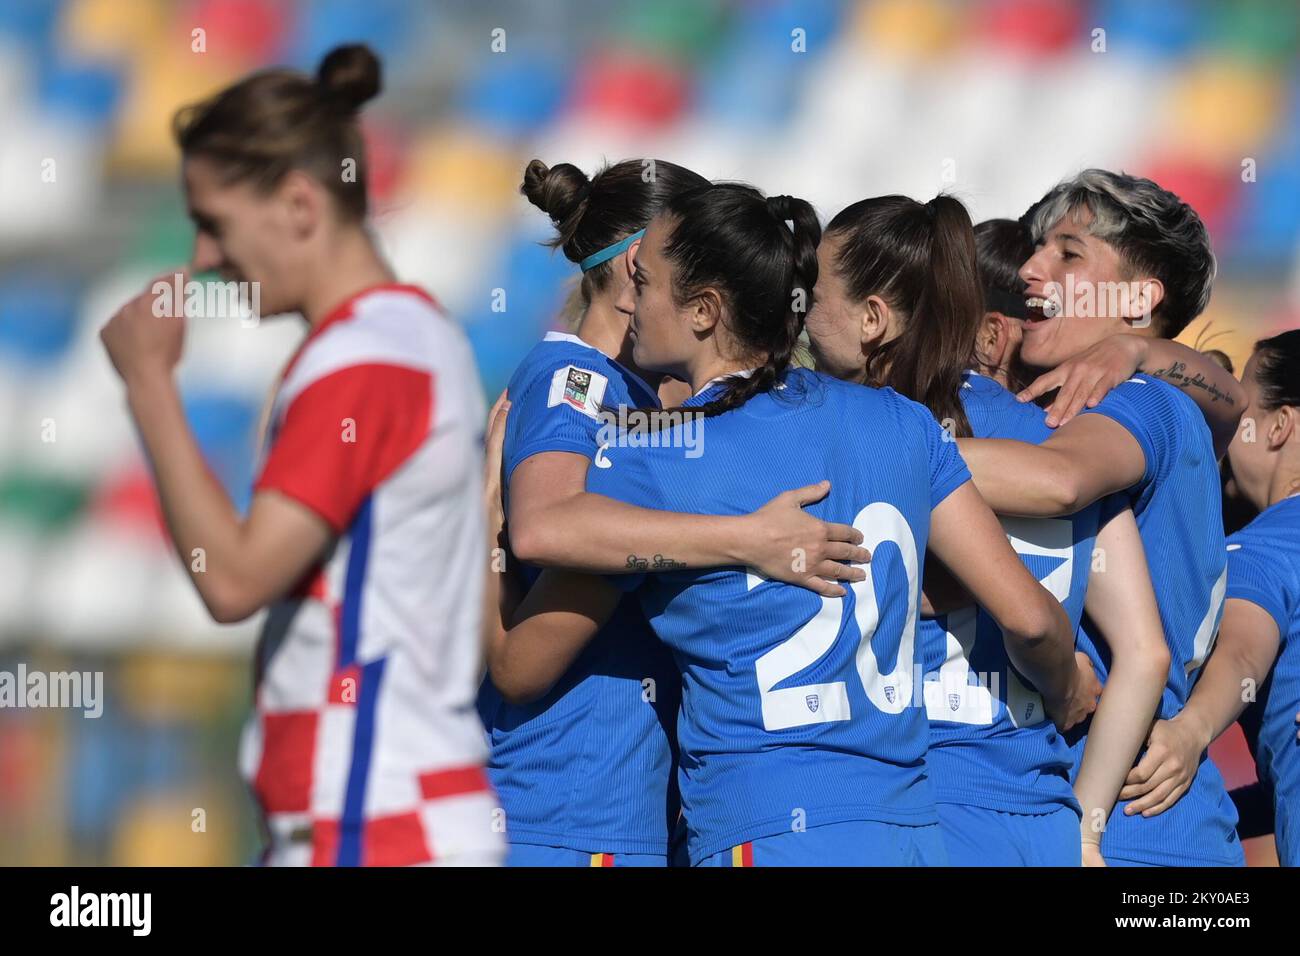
[742, 855]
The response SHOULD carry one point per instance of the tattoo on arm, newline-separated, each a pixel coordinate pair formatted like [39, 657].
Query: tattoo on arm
[658, 563]
[1177, 375]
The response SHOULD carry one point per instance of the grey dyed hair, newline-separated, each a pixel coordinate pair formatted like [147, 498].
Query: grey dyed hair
[1155, 232]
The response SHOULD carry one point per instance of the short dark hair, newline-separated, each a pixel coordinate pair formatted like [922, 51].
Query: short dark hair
[1152, 229]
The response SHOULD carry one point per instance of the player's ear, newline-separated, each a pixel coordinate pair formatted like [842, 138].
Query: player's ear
[1145, 296]
[629, 258]
[876, 322]
[1283, 427]
[705, 311]
[303, 201]
[991, 340]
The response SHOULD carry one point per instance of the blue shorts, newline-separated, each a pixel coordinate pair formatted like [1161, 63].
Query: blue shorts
[856, 843]
[531, 854]
[977, 836]
[1121, 861]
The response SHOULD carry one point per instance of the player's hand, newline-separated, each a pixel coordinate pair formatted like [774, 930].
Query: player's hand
[141, 343]
[492, 451]
[1083, 697]
[788, 544]
[1166, 770]
[1085, 379]
[1092, 854]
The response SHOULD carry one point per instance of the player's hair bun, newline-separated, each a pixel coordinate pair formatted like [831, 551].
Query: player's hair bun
[559, 191]
[349, 76]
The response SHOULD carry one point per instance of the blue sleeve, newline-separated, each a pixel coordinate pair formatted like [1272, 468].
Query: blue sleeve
[1148, 410]
[542, 419]
[948, 470]
[1256, 575]
[627, 477]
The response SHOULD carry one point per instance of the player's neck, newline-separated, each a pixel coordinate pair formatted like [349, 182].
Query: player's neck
[353, 267]
[997, 373]
[1285, 481]
[604, 327]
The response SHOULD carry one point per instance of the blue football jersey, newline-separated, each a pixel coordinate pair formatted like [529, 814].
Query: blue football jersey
[991, 742]
[1178, 507]
[1264, 569]
[591, 765]
[797, 710]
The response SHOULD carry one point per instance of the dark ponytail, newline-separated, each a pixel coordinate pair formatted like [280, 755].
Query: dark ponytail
[593, 214]
[728, 239]
[1278, 370]
[920, 258]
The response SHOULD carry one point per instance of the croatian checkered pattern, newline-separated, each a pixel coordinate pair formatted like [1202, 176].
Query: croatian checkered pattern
[365, 748]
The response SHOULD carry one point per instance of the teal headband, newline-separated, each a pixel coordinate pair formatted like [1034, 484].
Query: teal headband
[609, 252]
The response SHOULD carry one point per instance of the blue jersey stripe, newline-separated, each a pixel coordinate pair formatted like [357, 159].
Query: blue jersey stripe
[352, 825]
[354, 582]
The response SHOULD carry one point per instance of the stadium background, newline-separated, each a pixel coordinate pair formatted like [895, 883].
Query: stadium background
[834, 101]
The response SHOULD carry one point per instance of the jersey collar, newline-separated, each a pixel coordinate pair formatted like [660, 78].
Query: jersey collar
[743, 373]
[346, 307]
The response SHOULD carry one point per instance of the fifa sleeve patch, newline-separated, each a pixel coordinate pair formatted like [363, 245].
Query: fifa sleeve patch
[578, 388]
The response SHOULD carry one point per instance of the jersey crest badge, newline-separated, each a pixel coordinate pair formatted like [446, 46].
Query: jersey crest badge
[579, 388]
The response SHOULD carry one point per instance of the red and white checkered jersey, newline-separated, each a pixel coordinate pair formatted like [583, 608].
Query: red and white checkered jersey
[365, 747]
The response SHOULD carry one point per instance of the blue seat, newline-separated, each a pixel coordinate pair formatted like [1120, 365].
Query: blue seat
[387, 26]
[84, 90]
[223, 424]
[515, 94]
[1164, 28]
[38, 317]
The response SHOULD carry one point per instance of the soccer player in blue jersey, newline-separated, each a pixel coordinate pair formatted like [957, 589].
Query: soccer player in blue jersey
[586, 770]
[900, 301]
[1257, 655]
[802, 730]
[1122, 264]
